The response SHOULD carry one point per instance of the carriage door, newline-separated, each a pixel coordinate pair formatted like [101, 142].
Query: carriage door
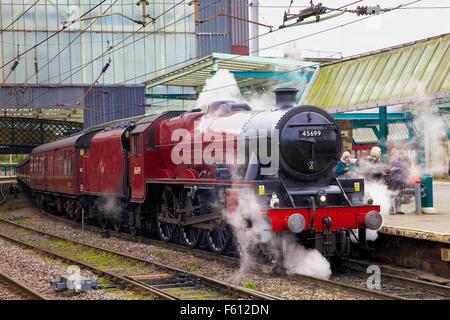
[137, 167]
[45, 170]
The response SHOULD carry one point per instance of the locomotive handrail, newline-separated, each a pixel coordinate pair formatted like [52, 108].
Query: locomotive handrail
[343, 191]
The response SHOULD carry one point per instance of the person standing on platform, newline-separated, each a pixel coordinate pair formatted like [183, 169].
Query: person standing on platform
[345, 165]
[362, 156]
[395, 181]
[374, 168]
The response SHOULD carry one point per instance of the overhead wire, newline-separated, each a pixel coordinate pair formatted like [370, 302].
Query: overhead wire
[299, 38]
[278, 44]
[62, 50]
[225, 47]
[173, 64]
[51, 36]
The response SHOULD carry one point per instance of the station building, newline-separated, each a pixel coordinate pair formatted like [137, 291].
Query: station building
[56, 79]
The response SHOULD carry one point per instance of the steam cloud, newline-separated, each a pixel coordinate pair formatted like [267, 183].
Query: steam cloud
[252, 231]
[110, 207]
[434, 132]
[223, 86]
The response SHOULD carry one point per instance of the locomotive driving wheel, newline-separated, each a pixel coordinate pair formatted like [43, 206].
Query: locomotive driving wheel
[168, 210]
[189, 235]
[218, 238]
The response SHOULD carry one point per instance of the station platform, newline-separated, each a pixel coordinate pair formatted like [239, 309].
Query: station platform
[432, 227]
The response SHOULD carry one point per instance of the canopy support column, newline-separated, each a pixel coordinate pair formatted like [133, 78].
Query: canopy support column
[383, 123]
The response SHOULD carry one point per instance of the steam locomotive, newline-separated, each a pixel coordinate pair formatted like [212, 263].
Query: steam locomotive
[150, 174]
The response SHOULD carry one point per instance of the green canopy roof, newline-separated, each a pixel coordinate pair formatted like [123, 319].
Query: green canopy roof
[404, 74]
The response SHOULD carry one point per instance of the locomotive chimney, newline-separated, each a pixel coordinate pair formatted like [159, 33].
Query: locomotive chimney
[285, 97]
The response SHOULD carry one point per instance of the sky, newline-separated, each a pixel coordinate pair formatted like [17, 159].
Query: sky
[377, 32]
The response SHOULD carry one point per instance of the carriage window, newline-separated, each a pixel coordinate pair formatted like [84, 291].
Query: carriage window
[137, 144]
[151, 139]
[69, 164]
[65, 163]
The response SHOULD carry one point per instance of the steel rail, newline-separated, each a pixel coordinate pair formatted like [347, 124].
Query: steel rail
[358, 265]
[140, 239]
[117, 278]
[20, 287]
[224, 258]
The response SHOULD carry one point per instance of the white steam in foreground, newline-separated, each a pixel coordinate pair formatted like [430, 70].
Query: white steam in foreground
[252, 231]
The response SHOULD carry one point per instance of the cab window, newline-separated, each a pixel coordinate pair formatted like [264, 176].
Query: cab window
[137, 144]
[150, 137]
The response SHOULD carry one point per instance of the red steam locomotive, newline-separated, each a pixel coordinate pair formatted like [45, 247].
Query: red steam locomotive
[177, 173]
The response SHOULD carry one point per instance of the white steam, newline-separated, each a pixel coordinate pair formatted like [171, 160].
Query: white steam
[380, 194]
[223, 86]
[434, 132]
[254, 237]
[110, 207]
[299, 260]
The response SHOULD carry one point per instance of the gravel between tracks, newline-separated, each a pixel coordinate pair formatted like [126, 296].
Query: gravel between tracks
[24, 212]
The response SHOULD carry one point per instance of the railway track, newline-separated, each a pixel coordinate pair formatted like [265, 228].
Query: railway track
[11, 289]
[394, 287]
[350, 278]
[299, 278]
[395, 283]
[355, 282]
[156, 279]
[337, 285]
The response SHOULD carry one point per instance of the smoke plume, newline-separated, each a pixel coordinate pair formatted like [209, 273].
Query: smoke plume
[223, 86]
[434, 132]
[255, 241]
[110, 207]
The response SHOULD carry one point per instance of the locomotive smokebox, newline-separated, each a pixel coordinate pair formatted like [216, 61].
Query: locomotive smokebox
[285, 97]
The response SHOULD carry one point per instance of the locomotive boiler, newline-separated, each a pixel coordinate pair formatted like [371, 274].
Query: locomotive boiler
[178, 174]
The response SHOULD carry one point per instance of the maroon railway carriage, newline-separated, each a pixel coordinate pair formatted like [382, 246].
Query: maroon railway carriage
[129, 175]
[51, 171]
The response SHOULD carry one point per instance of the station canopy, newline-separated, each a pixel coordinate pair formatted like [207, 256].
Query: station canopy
[248, 71]
[398, 132]
[409, 73]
